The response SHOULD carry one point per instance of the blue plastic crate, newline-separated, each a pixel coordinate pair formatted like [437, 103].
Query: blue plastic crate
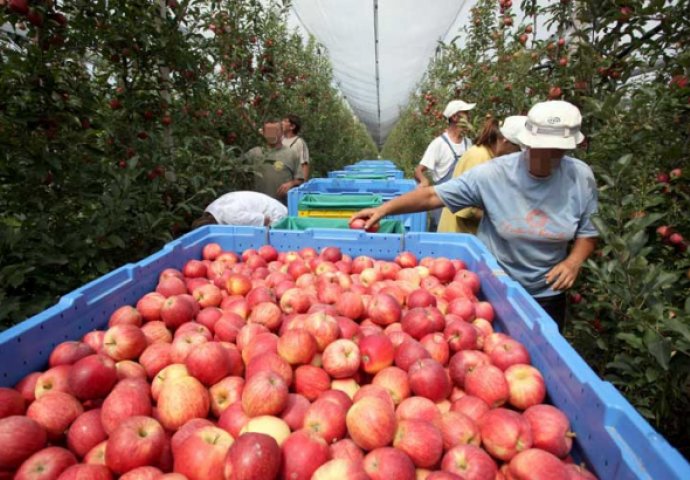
[388, 189]
[377, 163]
[369, 168]
[390, 174]
[612, 438]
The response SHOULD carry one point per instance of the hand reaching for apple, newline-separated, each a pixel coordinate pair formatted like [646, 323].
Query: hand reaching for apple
[367, 219]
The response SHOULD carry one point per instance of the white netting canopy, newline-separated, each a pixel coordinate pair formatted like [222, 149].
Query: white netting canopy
[380, 48]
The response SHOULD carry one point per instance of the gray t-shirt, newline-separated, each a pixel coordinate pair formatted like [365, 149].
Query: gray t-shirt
[528, 221]
[274, 167]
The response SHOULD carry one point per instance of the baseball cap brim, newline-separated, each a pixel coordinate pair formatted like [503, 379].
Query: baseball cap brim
[461, 107]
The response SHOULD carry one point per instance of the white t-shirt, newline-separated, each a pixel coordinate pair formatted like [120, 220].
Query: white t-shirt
[298, 145]
[246, 208]
[438, 157]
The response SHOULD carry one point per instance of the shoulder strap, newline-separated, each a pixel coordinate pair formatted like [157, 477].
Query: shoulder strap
[452, 150]
[294, 141]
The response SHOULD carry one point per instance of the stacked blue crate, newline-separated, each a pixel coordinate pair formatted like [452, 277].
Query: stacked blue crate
[388, 189]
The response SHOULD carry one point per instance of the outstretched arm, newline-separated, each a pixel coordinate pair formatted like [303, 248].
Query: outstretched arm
[419, 200]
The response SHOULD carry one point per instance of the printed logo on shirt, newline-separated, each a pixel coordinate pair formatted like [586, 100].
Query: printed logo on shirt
[278, 166]
[535, 224]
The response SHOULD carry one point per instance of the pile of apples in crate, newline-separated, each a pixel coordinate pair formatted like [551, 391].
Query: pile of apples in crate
[291, 365]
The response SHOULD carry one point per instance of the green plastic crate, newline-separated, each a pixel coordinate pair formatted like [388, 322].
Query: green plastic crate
[319, 201]
[302, 223]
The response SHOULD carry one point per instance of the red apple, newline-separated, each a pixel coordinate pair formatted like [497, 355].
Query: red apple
[550, 429]
[437, 346]
[295, 300]
[55, 379]
[346, 449]
[209, 363]
[67, 353]
[55, 412]
[297, 346]
[149, 306]
[136, 442]
[207, 295]
[265, 393]
[143, 473]
[536, 464]
[326, 418]
[270, 362]
[460, 335]
[27, 386]
[180, 400]
[488, 383]
[20, 437]
[421, 298]
[350, 305]
[526, 386]
[484, 310]
[202, 455]
[261, 344]
[429, 379]
[459, 429]
[129, 398]
[421, 440]
[233, 419]
[409, 352]
[194, 268]
[406, 260]
[11, 402]
[384, 309]
[156, 332]
[253, 456]
[295, 410]
[341, 359]
[323, 327]
[225, 393]
[174, 370]
[340, 468]
[124, 342]
[509, 352]
[377, 352]
[185, 431]
[130, 369]
[86, 472]
[395, 381]
[184, 344]
[465, 361]
[443, 269]
[371, 423]
[388, 463]
[419, 322]
[46, 464]
[419, 408]
[303, 453]
[92, 377]
[177, 310]
[470, 462]
[155, 358]
[505, 433]
[86, 432]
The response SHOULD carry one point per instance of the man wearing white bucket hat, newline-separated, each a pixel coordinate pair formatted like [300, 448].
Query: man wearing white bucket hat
[494, 140]
[537, 205]
[443, 152]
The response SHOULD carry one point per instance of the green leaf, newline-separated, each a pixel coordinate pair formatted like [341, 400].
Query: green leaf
[659, 347]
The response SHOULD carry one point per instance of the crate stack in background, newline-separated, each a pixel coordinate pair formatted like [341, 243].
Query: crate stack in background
[367, 183]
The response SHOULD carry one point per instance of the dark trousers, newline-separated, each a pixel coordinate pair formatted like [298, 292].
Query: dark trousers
[555, 307]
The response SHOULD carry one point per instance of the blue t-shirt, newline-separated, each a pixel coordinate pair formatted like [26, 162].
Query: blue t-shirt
[528, 221]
